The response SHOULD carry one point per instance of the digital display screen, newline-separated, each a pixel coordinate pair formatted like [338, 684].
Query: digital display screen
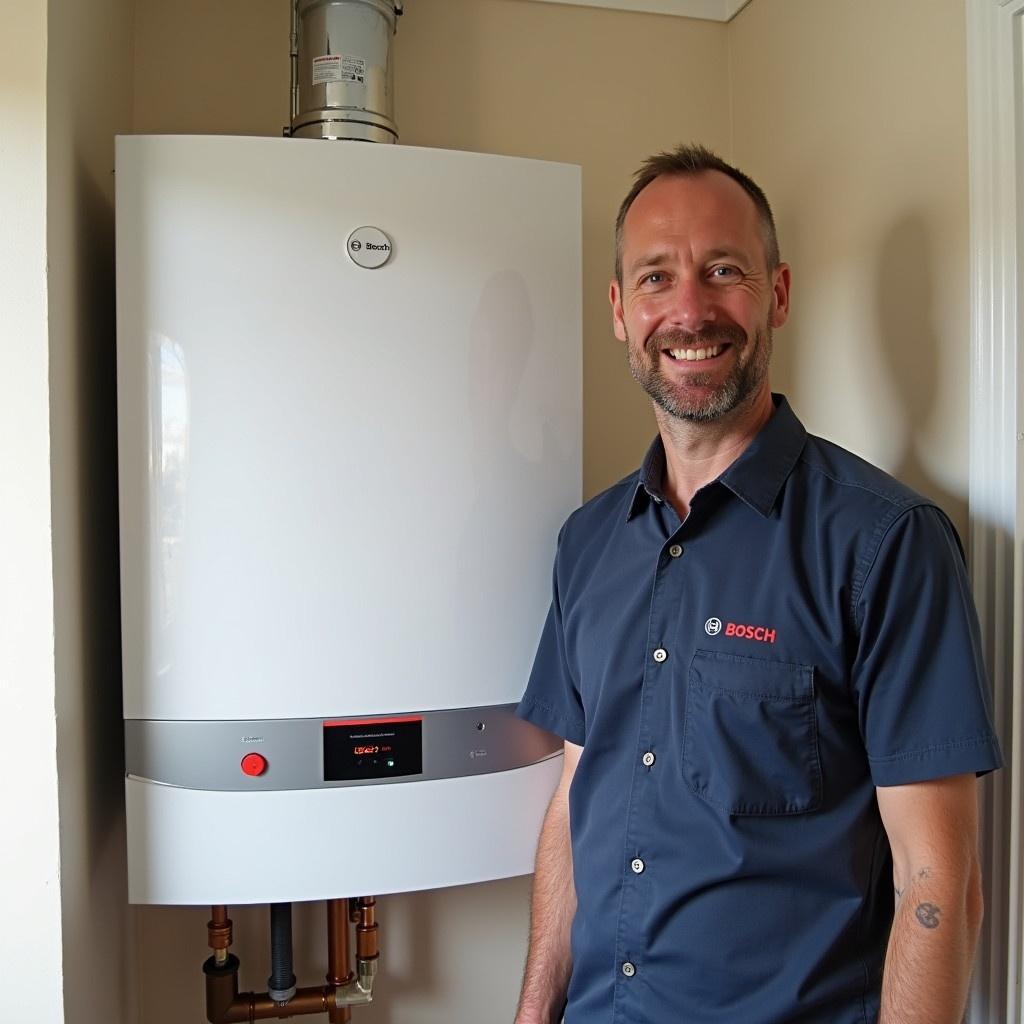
[372, 748]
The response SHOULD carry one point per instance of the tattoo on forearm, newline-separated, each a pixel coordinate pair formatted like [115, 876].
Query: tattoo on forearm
[899, 893]
[928, 914]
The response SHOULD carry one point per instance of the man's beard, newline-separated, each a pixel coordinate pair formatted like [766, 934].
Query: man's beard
[680, 398]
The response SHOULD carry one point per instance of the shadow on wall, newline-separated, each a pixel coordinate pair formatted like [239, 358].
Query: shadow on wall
[903, 330]
[787, 339]
[905, 302]
[86, 599]
[98, 552]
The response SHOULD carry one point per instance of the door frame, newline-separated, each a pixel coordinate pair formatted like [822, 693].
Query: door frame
[995, 99]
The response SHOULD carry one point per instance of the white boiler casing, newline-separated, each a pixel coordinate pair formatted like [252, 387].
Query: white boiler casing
[339, 492]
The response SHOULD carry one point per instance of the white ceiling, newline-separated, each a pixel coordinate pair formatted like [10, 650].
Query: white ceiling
[711, 10]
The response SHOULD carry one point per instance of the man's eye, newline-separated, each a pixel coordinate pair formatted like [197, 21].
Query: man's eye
[654, 277]
[723, 271]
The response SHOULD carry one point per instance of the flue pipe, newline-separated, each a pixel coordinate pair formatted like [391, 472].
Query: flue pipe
[342, 81]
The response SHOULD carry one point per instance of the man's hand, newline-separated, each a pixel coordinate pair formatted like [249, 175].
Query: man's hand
[549, 961]
[933, 832]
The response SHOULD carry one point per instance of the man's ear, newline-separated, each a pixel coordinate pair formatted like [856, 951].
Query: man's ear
[615, 299]
[780, 295]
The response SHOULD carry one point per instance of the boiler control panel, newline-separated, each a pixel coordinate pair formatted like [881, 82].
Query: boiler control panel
[317, 753]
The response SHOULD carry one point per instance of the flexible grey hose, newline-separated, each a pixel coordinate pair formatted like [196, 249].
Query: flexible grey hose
[281, 983]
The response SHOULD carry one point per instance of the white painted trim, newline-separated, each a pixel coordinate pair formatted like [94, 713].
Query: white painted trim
[709, 10]
[996, 538]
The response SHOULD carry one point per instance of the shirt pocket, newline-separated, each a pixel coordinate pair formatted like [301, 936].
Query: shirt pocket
[750, 734]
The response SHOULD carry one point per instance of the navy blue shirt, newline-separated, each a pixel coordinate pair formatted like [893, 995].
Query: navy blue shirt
[741, 682]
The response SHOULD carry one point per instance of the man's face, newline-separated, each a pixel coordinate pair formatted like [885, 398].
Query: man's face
[697, 303]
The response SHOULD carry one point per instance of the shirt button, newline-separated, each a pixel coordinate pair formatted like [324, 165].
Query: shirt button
[676, 550]
[637, 865]
[648, 759]
[660, 654]
[628, 969]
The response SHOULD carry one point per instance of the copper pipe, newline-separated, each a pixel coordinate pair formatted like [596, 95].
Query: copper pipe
[250, 1006]
[337, 941]
[218, 931]
[224, 1004]
[366, 930]
[338, 972]
[306, 1000]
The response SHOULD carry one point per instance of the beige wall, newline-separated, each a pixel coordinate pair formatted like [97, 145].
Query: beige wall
[88, 100]
[211, 67]
[852, 115]
[499, 76]
[30, 944]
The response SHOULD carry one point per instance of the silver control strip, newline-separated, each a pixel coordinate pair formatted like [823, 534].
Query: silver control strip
[208, 755]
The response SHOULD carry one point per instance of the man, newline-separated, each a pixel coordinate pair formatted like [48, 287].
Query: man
[764, 661]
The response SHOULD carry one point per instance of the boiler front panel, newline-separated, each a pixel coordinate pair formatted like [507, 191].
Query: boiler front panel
[340, 486]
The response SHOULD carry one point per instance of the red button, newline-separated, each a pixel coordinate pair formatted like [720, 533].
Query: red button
[254, 764]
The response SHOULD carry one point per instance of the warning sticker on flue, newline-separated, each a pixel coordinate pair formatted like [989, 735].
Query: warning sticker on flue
[336, 67]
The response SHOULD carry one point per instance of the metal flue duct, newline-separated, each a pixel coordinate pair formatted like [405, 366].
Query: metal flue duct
[342, 82]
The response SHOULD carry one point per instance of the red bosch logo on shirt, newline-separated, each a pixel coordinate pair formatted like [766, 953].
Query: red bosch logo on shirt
[762, 633]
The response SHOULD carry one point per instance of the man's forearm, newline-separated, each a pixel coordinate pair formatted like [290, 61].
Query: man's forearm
[931, 948]
[549, 961]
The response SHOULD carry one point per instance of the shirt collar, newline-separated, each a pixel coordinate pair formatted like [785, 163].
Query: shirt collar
[756, 477]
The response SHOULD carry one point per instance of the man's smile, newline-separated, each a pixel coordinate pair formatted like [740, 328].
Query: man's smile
[695, 355]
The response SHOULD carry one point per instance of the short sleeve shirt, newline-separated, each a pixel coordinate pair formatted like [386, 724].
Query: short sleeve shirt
[740, 682]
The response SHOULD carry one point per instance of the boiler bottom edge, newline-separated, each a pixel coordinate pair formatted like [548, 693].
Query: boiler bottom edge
[192, 847]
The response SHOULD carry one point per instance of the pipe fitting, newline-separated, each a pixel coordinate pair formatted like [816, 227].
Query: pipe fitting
[282, 996]
[218, 930]
[366, 972]
[221, 988]
[354, 993]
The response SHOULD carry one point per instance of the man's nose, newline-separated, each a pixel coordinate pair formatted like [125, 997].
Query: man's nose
[693, 305]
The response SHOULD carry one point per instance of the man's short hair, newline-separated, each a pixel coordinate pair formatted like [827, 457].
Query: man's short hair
[687, 161]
